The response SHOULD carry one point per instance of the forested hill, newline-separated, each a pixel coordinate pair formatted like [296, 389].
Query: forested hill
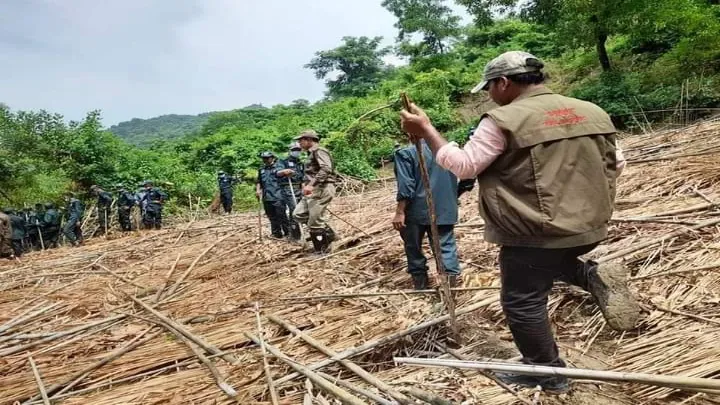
[142, 132]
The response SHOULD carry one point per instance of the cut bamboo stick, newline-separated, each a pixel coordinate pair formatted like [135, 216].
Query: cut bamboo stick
[158, 295]
[26, 316]
[344, 396]
[120, 277]
[672, 272]
[679, 382]
[359, 371]
[194, 338]
[389, 338]
[38, 380]
[266, 366]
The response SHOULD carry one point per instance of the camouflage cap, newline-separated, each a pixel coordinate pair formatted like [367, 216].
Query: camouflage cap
[508, 64]
[295, 146]
[309, 134]
[267, 154]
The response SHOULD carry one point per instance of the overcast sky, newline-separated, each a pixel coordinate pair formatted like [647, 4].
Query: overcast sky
[143, 58]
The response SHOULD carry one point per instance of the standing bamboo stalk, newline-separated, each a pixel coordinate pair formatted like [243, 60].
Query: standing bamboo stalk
[434, 232]
[266, 365]
[260, 219]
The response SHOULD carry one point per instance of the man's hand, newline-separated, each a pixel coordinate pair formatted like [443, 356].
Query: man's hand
[286, 172]
[398, 221]
[307, 190]
[415, 122]
[258, 194]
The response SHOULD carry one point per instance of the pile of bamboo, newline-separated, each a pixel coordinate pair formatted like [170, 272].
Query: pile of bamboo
[207, 313]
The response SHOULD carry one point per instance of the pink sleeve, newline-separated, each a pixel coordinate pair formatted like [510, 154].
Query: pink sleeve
[484, 146]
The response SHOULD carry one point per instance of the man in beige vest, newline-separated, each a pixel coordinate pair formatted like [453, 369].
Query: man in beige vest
[546, 166]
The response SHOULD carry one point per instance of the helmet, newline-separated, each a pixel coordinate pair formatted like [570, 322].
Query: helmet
[295, 146]
[8, 210]
[221, 173]
[147, 183]
[267, 154]
[94, 187]
[49, 205]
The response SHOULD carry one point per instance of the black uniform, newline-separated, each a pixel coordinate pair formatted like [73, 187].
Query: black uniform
[32, 230]
[154, 199]
[292, 193]
[273, 200]
[225, 184]
[74, 213]
[51, 226]
[17, 222]
[125, 201]
[104, 203]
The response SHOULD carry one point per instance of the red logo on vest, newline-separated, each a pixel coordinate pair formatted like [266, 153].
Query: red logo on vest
[563, 116]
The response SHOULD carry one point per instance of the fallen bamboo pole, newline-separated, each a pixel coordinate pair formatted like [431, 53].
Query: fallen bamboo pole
[158, 295]
[38, 380]
[266, 365]
[344, 396]
[120, 277]
[219, 379]
[691, 316]
[348, 223]
[389, 338]
[349, 249]
[180, 328]
[74, 379]
[427, 397]
[678, 382]
[18, 349]
[379, 294]
[646, 244]
[182, 278]
[26, 316]
[359, 371]
[352, 387]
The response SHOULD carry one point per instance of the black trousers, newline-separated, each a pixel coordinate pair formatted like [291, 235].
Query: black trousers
[104, 217]
[153, 216]
[527, 276]
[289, 201]
[17, 247]
[226, 197]
[72, 230]
[275, 211]
[124, 218]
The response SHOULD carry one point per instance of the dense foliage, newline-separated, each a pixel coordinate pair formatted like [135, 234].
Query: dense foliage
[142, 132]
[627, 56]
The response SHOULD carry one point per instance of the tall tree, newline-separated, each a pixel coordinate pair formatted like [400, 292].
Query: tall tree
[352, 69]
[432, 19]
[579, 22]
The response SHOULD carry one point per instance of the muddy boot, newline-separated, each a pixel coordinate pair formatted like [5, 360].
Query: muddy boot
[328, 236]
[607, 282]
[420, 281]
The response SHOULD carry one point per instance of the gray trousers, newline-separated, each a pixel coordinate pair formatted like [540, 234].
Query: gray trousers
[311, 209]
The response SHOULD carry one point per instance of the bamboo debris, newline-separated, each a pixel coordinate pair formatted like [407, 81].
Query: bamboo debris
[689, 383]
[675, 273]
[328, 297]
[359, 371]
[358, 390]
[344, 396]
[38, 379]
[389, 338]
[266, 366]
[185, 332]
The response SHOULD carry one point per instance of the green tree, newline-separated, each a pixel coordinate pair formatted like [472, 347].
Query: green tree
[356, 66]
[432, 19]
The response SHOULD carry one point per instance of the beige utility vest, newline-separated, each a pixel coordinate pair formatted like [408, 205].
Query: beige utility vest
[554, 186]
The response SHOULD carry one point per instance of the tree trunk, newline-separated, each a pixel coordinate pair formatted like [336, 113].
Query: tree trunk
[602, 51]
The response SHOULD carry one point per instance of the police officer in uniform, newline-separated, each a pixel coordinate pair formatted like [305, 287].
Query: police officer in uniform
[104, 203]
[225, 184]
[74, 212]
[154, 199]
[291, 171]
[268, 190]
[125, 201]
[51, 226]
